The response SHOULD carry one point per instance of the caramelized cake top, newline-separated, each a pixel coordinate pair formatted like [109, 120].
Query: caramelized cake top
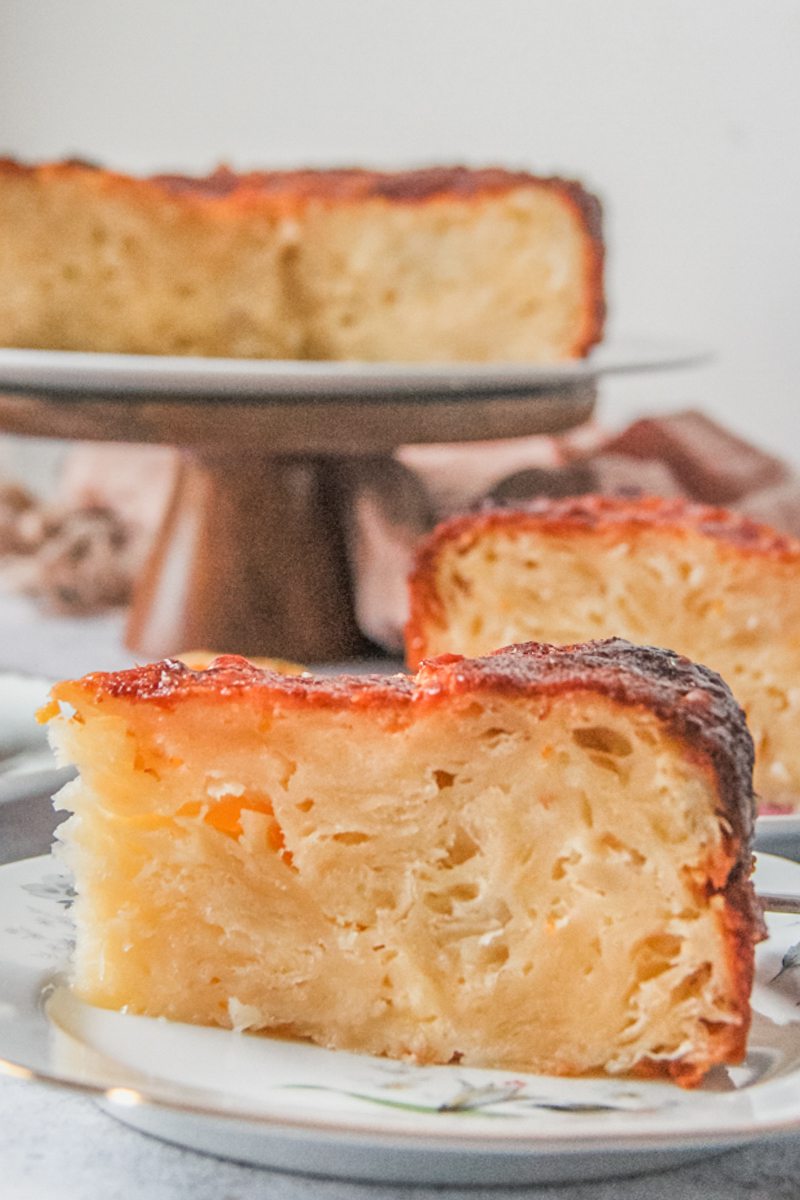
[337, 184]
[692, 701]
[616, 513]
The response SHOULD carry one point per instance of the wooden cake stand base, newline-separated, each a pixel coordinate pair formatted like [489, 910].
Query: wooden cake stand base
[251, 555]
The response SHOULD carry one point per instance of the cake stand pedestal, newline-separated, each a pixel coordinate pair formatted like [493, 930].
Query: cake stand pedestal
[251, 555]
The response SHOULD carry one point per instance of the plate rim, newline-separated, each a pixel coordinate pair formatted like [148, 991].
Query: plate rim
[357, 1131]
[81, 373]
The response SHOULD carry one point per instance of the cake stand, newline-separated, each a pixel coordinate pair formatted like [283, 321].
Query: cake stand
[251, 556]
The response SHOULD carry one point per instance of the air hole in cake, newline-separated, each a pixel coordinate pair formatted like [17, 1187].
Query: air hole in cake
[439, 902]
[689, 986]
[494, 955]
[476, 626]
[444, 779]
[610, 764]
[465, 891]
[350, 838]
[628, 853]
[305, 805]
[561, 865]
[603, 740]
[656, 954]
[495, 737]
[462, 848]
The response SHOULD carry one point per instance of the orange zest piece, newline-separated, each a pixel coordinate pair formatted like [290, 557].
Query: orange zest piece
[47, 712]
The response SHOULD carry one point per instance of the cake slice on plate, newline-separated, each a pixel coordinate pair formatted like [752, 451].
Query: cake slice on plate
[537, 861]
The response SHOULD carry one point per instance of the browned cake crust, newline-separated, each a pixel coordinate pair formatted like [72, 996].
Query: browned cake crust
[693, 701]
[298, 187]
[277, 196]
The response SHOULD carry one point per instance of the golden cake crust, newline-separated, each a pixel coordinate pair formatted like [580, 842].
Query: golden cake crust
[692, 701]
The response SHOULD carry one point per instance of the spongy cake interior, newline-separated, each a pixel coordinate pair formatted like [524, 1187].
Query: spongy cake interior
[411, 880]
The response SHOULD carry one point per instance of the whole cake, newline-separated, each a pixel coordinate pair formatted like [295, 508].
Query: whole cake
[437, 264]
[706, 582]
[423, 868]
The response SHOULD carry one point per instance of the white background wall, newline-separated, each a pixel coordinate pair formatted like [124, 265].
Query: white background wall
[683, 115]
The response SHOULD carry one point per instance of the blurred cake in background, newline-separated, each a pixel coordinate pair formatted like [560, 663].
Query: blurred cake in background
[684, 454]
[441, 264]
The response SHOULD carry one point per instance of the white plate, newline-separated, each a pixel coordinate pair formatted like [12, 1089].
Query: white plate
[298, 1107]
[67, 371]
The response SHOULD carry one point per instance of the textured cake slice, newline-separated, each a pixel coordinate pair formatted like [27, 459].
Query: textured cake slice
[537, 860]
[706, 582]
[438, 264]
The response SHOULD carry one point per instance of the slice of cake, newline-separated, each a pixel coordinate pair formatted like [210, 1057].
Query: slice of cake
[712, 585]
[537, 860]
[438, 264]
